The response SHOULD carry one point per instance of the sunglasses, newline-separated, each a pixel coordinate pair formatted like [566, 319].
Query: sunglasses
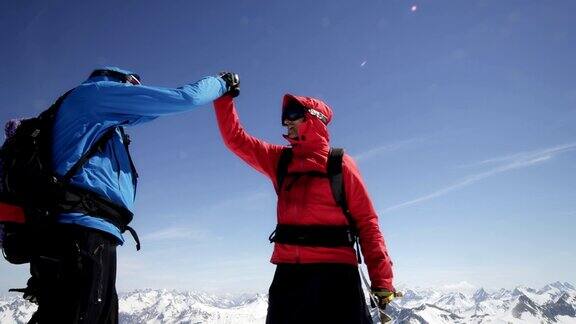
[293, 112]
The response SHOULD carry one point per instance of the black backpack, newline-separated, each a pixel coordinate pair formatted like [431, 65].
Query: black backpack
[308, 235]
[28, 181]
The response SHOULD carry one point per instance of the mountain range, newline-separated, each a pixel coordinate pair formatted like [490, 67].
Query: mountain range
[553, 303]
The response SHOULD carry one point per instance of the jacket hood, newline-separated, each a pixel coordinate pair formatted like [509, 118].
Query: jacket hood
[313, 137]
[108, 78]
[309, 102]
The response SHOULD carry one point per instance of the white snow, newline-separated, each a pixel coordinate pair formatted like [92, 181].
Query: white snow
[440, 305]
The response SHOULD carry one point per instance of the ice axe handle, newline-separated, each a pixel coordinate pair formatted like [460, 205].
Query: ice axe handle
[384, 318]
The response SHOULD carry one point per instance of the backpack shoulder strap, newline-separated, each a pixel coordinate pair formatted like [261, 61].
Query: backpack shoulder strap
[127, 141]
[99, 144]
[47, 118]
[334, 170]
[282, 170]
[50, 113]
[336, 183]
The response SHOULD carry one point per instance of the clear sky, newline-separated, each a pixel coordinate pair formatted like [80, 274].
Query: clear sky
[461, 115]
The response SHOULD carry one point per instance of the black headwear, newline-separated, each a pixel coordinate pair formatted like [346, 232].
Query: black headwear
[125, 78]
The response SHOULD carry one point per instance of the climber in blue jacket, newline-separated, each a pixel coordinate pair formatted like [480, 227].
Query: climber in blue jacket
[74, 273]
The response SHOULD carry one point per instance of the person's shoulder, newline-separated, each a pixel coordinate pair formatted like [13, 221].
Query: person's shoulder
[347, 158]
[99, 88]
[349, 164]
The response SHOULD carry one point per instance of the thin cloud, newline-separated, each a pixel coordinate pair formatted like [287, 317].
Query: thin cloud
[385, 149]
[254, 198]
[525, 155]
[511, 162]
[231, 272]
[33, 23]
[130, 265]
[461, 286]
[177, 233]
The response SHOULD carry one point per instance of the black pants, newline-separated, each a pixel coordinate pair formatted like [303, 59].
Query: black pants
[317, 293]
[74, 277]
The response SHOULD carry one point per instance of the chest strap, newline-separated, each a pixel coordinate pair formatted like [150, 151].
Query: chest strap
[313, 235]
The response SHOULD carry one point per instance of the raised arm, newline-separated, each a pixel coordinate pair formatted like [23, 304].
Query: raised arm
[130, 104]
[259, 154]
[371, 240]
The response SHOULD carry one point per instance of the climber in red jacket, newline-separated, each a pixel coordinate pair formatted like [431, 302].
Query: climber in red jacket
[316, 279]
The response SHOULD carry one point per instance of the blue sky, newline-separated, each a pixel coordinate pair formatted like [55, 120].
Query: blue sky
[460, 114]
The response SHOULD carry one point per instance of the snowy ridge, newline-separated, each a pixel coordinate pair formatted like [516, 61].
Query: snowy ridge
[15, 310]
[161, 306]
[553, 303]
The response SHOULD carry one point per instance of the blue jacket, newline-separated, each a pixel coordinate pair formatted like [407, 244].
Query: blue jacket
[99, 104]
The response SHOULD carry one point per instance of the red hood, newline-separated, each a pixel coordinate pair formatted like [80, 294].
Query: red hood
[313, 141]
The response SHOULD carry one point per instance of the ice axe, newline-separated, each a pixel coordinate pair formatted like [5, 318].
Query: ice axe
[375, 301]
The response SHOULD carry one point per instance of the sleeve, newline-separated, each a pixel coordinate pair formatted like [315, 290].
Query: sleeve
[259, 154]
[131, 105]
[371, 239]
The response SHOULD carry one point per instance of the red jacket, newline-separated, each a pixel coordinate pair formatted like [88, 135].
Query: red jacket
[310, 200]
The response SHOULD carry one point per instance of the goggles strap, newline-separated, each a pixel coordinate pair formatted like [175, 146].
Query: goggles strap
[124, 78]
[319, 115]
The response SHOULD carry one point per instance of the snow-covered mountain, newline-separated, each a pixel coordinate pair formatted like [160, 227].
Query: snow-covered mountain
[160, 306]
[163, 306]
[554, 303]
[15, 310]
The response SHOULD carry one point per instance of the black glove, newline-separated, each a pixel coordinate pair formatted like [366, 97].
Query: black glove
[30, 292]
[232, 83]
